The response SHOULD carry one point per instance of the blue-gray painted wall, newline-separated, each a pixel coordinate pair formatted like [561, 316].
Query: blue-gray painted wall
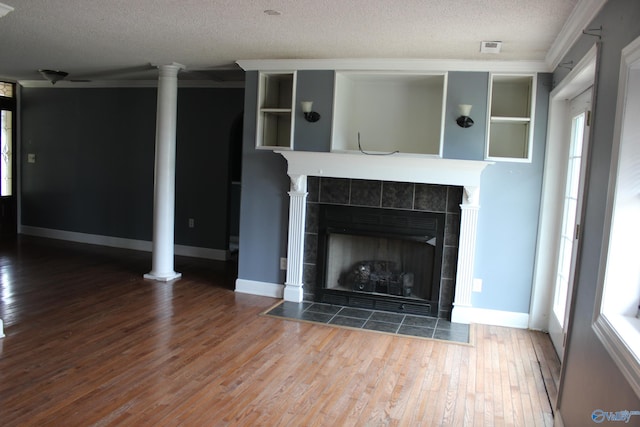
[510, 191]
[95, 159]
[508, 221]
[590, 378]
[264, 201]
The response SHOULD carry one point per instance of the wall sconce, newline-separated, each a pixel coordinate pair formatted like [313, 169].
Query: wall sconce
[310, 116]
[464, 121]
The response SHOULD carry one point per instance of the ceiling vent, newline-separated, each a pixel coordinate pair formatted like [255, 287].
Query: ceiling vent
[490, 47]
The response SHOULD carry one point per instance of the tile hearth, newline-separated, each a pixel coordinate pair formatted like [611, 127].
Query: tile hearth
[381, 321]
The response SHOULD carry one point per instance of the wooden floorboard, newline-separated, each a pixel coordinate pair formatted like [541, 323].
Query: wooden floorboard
[89, 342]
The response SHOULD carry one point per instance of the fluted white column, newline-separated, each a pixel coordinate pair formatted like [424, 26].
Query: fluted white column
[295, 247]
[164, 176]
[466, 254]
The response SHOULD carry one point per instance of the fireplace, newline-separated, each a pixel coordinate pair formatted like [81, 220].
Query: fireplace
[385, 259]
[399, 168]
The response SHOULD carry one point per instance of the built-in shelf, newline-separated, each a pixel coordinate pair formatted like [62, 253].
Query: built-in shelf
[510, 124]
[276, 95]
[387, 112]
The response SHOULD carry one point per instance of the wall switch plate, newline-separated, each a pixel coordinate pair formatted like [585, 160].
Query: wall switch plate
[477, 285]
[283, 263]
[192, 222]
[31, 158]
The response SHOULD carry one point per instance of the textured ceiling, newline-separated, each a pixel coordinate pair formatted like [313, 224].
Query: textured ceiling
[118, 39]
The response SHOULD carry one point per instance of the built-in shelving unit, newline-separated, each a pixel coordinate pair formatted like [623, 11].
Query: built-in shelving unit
[276, 97]
[510, 123]
[389, 111]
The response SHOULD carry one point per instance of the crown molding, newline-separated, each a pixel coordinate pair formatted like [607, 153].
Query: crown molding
[127, 84]
[582, 15]
[389, 64]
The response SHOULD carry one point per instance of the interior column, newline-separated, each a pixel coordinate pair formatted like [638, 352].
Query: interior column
[164, 175]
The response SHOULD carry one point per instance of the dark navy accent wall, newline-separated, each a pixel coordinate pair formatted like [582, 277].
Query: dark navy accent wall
[466, 88]
[203, 150]
[316, 86]
[95, 161]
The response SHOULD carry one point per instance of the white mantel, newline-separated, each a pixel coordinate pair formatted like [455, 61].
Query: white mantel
[397, 167]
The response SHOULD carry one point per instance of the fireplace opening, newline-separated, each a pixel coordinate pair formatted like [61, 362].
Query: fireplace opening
[379, 258]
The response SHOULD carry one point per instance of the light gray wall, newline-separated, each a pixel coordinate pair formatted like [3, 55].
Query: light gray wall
[510, 191]
[590, 378]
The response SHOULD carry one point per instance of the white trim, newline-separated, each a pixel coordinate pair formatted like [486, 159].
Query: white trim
[485, 316]
[122, 243]
[1, 329]
[390, 64]
[583, 13]
[578, 80]
[199, 252]
[264, 289]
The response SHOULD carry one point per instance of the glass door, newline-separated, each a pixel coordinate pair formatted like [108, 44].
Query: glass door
[8, 217]
[569, 232]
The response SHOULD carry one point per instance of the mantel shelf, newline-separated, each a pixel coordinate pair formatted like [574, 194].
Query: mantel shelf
[397, 167]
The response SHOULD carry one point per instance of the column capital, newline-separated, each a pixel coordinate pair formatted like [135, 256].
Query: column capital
[169, 70]
[471, 197]
[298, 183]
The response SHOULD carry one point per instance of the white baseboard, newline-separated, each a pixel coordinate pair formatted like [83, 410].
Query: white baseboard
[264, 289]
[122, 243]
[485, 316]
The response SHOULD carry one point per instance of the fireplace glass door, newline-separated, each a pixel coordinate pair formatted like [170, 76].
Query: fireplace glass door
[380, 258]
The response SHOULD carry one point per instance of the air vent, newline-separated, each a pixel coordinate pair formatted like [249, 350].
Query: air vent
[490, 47]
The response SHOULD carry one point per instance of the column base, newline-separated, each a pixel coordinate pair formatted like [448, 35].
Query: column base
[293, 293]
[461, 314]
[165, 277]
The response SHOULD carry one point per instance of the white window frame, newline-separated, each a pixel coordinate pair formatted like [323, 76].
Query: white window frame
[616, 321]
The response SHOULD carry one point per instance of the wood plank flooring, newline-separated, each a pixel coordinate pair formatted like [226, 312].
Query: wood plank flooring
[90, 343]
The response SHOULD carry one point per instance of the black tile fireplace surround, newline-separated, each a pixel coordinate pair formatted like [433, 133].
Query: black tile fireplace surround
[408, 199]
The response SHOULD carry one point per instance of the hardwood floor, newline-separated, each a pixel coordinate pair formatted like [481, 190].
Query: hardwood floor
[90, 343]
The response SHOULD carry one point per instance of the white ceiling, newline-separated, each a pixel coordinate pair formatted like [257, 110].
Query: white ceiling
[118, 39]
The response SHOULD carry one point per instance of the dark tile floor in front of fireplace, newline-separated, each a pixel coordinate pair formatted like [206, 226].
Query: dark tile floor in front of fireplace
[383, 321]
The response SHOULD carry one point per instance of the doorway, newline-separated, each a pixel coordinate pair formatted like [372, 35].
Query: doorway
[550, 226]
[8, 205]
[579, 111]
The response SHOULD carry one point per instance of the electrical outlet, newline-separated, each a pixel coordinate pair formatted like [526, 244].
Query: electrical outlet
[283, 263]
[192, 223]
[477, 285]
[31, 158]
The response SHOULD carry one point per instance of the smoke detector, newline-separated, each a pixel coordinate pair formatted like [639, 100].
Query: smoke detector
[490, 47]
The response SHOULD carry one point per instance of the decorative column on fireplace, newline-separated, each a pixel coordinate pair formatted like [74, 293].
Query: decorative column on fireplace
[295, 247]
[398, 168]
